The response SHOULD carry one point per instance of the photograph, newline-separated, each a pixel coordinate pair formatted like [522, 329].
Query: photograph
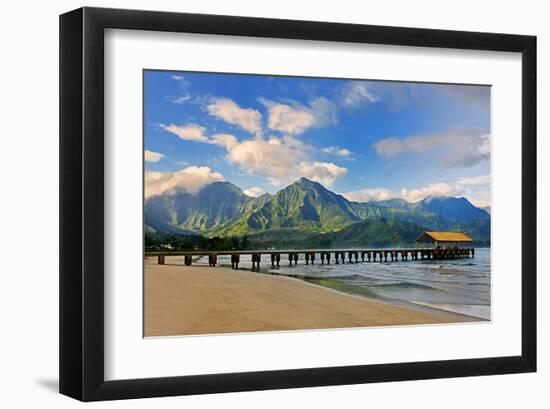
[285, 203]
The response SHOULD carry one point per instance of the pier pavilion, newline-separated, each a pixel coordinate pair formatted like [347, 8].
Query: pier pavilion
[442, 240]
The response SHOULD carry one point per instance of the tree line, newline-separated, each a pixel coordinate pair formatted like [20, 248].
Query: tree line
[186, 243]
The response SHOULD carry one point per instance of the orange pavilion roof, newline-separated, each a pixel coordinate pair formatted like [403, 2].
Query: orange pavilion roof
[443, 236]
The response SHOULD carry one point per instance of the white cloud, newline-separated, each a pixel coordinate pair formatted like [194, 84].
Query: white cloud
[286, 119]
[184, 85]
[188, 132]
[475, 188]
[275, 157]
[367, 195]
[280, 158]
[334, 150]
[434, 190]
[179, 100]
[481, 198]
[410, 195]
[151, 156]
[322, 172]
[390, 147]
[254, 191]
[475, 180]
[323, 111]
[461, 147]
[293, 118]
[226, 140]
[248, 119]
[191, 180]
[355, 93]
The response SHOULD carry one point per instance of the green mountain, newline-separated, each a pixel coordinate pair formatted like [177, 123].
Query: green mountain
[456, 208]
[185, 212]
[378, 232]
[305, 214]
[308, 206]
[304, 205]
[366, 233]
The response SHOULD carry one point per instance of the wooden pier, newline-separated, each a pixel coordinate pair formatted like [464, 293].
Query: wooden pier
[275, 257]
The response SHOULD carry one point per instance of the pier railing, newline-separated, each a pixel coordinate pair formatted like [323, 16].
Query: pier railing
[325, 256]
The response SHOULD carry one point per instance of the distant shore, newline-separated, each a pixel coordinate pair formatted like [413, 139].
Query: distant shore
[192, 300]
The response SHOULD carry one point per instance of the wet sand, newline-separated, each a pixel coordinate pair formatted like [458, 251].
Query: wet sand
[191, 300]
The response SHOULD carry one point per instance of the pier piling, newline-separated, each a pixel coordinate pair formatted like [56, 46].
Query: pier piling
[212, 260]
[256, 258]
[188, 260]
[235, 258]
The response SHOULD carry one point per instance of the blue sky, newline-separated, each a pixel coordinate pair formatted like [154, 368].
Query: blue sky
[364, 139]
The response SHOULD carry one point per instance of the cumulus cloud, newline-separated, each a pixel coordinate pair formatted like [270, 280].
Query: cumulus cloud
[334, 150]
[254, 191]
[325, 173]
[293, 118]
[226, 140]
[280, 158]
[434, 189]
[151, 156]
[482, 199]
[284, 118]
[275, 157]
[356, 93]
[410, 195]
[367, 195]
[187, 132]
[454, 148]
[191, 180]
[248, 119]
[476, 189]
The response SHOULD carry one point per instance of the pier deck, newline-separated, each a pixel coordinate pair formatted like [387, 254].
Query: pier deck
[325, 256]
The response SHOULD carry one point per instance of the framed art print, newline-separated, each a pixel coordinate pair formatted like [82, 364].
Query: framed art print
[255, 204]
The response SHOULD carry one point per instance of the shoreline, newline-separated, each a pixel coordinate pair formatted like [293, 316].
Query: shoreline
[413, 305]
[417, 306]
[201, 300]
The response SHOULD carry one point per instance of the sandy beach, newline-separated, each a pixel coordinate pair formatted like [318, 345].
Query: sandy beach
[190, 300]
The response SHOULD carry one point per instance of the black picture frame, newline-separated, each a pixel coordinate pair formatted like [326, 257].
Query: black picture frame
[81, 364]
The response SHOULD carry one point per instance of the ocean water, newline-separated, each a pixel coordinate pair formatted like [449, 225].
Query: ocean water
[461, 285]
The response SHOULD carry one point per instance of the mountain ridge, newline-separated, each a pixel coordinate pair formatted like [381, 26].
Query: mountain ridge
[222, 209]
